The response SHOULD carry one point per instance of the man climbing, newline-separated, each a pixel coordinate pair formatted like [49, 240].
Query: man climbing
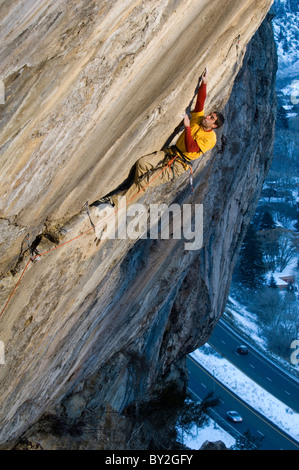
[162, 166]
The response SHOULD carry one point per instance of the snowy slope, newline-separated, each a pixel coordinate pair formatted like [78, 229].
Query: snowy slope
[287, 37]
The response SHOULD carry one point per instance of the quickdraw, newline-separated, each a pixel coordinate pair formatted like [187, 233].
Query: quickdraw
[86, 208]
[175, 152]
[191, 179]
[33, 251]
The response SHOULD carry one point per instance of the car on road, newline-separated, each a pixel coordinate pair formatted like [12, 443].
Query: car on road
[234, 416]
[242, 349]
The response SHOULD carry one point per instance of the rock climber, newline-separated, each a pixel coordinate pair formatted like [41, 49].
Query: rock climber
[162, 166]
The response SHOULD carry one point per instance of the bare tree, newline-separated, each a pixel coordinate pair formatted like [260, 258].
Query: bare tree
[286, 252]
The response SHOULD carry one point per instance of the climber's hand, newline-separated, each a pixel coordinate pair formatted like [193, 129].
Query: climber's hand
[205, 75]
[186, 120]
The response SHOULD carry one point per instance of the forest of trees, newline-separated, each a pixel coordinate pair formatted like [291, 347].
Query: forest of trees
[272, 240]
[264, 251]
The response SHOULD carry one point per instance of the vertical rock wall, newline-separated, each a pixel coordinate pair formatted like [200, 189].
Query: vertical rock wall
[96, 329]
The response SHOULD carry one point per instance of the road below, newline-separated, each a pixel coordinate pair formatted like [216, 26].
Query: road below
[256, 366]
[201, 382]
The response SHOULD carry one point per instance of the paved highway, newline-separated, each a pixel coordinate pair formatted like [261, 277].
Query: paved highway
[256, 366]
[201, 382]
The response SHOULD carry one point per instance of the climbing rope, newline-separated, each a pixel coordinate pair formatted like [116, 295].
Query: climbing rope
[35, 254]
[33, 251]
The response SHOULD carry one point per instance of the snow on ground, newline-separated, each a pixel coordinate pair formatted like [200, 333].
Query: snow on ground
[292, 90]
[244, 387]
[262, 401]
[211, 432]
[287, 46]
[290, 270]
[248, 390]
[247, 321]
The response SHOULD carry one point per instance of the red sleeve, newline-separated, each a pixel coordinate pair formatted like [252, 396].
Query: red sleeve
[190, 143]
[201, 97]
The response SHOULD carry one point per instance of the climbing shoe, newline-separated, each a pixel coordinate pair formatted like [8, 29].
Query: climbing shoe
[104, 200]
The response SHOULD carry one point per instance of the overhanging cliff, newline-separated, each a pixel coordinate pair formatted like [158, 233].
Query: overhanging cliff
[93, 328]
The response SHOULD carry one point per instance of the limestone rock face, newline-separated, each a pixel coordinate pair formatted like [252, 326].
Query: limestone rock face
[89, 88]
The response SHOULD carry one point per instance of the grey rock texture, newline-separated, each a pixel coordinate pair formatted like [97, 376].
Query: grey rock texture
[96, 330]
[218, 445]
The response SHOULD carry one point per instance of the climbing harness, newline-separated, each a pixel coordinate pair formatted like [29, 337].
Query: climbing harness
[175, 150]
[38, 255]
[175, 154]
[184, 159]
[167, 162]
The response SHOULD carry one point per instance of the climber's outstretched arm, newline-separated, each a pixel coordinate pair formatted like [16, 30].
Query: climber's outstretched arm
[191, 144]
[202, 93]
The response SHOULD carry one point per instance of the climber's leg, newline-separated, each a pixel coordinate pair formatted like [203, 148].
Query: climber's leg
[144, 165]
[150, 172]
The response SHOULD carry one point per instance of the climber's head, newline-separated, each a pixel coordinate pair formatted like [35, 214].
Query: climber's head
[213, 121]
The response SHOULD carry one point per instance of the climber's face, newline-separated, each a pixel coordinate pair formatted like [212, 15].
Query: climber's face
[209, 121]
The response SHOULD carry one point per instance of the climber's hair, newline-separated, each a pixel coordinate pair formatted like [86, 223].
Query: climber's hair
[220, 119]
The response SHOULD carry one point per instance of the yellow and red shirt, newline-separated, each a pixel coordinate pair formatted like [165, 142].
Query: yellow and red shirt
[195, 141]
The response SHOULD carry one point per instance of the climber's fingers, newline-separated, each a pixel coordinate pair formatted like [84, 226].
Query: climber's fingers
[205, 75]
